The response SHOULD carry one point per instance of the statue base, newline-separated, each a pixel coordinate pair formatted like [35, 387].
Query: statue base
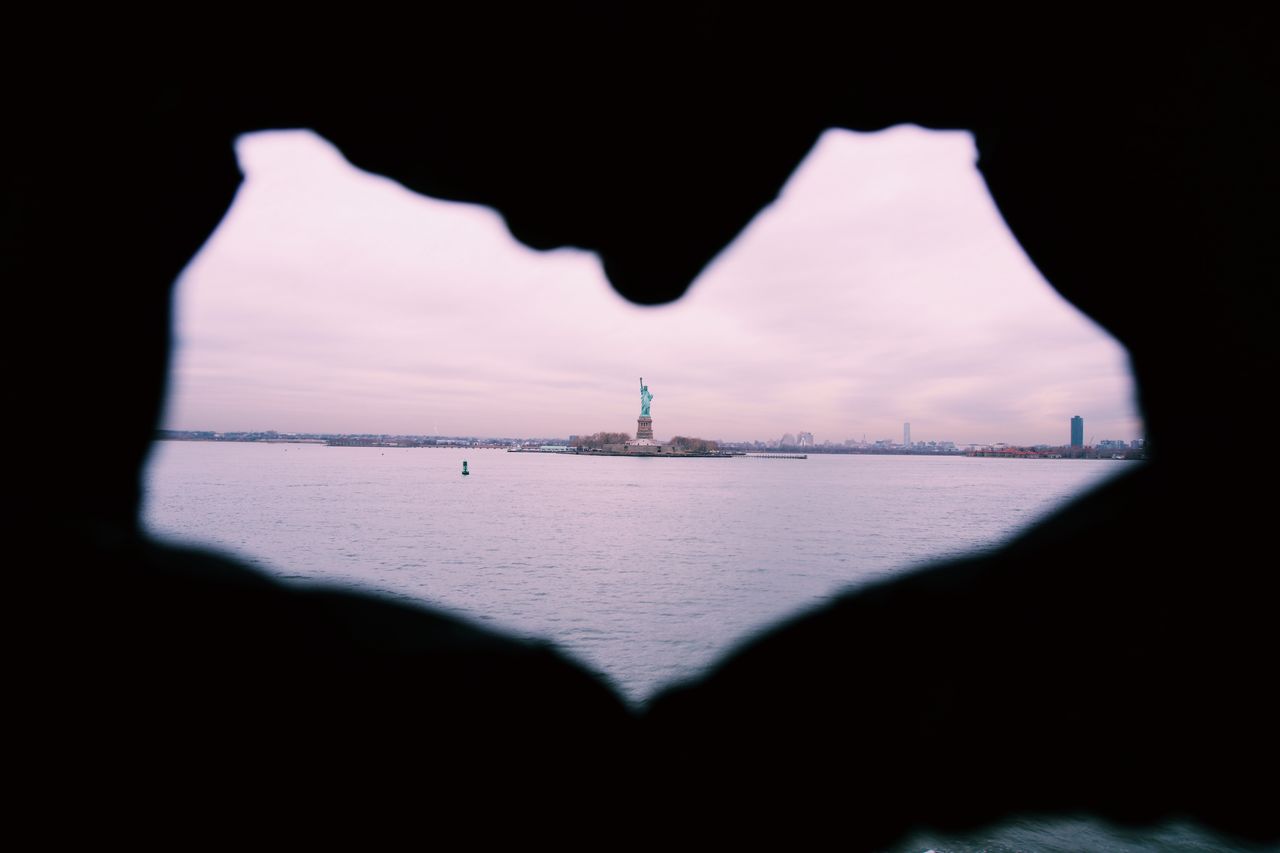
[644, 428]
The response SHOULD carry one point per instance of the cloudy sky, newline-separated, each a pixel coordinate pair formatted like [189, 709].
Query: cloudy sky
[882, 287]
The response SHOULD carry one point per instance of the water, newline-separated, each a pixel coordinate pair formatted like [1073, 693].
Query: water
[648, 570]
[1078, 835]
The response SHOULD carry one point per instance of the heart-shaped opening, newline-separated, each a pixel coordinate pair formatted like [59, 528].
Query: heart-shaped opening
[882, 289]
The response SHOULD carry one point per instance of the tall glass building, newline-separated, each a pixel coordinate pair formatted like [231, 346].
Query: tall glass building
[1077, 431]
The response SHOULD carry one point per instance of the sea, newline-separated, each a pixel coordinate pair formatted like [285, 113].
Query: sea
[646, 570]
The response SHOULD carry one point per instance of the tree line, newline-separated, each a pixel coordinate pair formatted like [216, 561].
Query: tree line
[698, 445]
[597, 441]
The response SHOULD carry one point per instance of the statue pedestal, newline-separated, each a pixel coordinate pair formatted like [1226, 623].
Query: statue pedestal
[644, 428]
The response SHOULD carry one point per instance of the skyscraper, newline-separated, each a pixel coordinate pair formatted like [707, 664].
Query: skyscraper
[1077, 431]
[906, 435]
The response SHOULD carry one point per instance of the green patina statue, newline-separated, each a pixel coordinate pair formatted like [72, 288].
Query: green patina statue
[645, 397]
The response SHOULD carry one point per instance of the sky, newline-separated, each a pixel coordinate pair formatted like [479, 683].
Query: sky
[882, 287]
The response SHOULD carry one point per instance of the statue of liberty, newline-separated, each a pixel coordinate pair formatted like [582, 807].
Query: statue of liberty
[645, 398]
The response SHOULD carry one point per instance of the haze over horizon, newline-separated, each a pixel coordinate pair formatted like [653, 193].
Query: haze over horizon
[882, 287]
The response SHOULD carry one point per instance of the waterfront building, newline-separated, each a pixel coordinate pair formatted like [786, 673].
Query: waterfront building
[1077, 431]
[906, 435]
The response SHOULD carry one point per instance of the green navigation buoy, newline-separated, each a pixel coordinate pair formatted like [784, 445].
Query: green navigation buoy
[465, 472]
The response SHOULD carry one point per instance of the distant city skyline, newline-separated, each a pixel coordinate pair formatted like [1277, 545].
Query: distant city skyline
[882, 288]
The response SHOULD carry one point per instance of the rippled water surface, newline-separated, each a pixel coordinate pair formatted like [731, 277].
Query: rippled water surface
[647, 569]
